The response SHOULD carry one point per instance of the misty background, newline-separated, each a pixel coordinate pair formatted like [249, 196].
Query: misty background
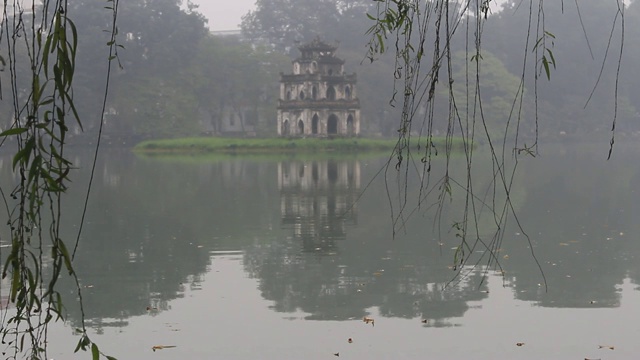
[178, 78]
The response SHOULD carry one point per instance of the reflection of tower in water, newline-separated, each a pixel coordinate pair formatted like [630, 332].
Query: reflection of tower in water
[317, 200]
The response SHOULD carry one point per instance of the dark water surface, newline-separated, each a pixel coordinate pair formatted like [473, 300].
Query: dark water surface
[274, 259]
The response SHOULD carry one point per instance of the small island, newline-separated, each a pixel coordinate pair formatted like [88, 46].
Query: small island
[318, 111]
[273, 145]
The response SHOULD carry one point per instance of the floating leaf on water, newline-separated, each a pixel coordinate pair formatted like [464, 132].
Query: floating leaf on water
[563, 244]
[377, 273]
[368, 320]
[519, 344]
[606, 347]
[336, 354]
[506, 257]
[161, 347]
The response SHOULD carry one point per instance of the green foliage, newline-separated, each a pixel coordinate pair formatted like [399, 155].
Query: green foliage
[497, 90]
[232, 78]
[43, 109]
[158, 106]
[576, 56]
[547, 57]
[278, 145]
[281, 23]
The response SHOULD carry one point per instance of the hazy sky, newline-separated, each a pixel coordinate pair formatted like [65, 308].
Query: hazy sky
[224, 14]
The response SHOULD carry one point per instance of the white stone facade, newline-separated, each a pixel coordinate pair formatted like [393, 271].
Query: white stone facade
[318, 98]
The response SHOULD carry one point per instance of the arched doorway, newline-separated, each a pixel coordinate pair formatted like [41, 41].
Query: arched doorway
[314, 124]
[300, 127]
[285, 127]
[347, 93]
[350, 128]
[332, 125]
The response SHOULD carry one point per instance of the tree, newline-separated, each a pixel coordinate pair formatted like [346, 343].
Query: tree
[283, 23]
[233, 78]
[161, 41]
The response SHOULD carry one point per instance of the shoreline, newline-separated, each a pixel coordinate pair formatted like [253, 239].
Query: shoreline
[281, 145]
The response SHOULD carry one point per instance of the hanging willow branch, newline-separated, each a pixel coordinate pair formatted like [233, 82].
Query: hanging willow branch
[422, 33]
[43, 112]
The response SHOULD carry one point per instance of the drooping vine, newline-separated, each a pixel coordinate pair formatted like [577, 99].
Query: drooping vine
[39, 44]
[421, 34]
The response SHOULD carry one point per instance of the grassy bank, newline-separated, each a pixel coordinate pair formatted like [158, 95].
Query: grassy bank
[275, 145]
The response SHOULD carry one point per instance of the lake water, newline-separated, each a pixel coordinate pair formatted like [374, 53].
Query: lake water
[251, 258]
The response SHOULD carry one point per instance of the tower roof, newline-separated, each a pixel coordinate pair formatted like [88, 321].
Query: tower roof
[316, 45]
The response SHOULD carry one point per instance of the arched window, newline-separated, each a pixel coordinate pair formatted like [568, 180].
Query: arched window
[332, 124]
[285, 127]
[289, 95]
[347, 93]
[331, 93]
[350, 127]
[300, 127]
[301, 96]
[314, 92]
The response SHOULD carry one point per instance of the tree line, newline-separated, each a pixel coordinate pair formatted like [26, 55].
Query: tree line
[579, 97]
[177, 79]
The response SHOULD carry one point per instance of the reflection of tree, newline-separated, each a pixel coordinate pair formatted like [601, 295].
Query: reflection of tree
[151, 224]
[579, 217]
